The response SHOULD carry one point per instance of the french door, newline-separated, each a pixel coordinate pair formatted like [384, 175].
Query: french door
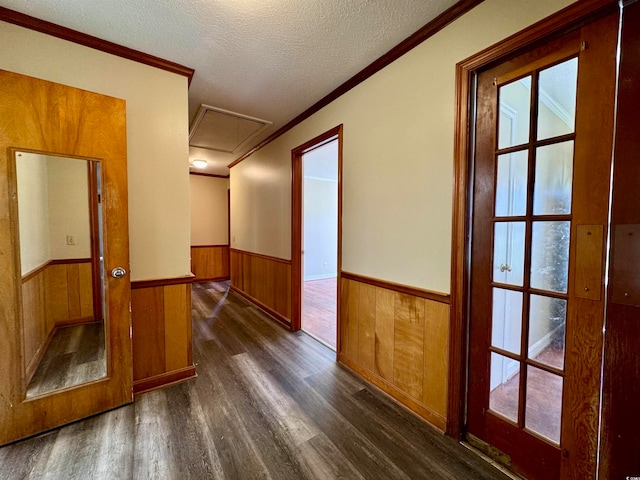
[540, 197]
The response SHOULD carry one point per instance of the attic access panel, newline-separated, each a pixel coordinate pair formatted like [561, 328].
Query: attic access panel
[222, 130]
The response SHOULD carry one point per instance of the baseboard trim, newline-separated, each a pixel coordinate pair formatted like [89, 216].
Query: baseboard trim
[31, 368]
[281, 319]
[164, 380]
[216, 279]
[436, 420]
[311, 278]
[75, 322]
[260, 255]
[161, 282]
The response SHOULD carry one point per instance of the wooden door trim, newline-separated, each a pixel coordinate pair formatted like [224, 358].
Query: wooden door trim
[94, 221]
[296, 223]
[566, 20]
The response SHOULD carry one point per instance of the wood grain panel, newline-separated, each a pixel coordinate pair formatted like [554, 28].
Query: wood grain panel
[176, 323]
[57, 295]
[68, 293]
[436, 355]
[162, 350]
[345, 318]
[620, 433]
[264, 280]
[35, 332]
[73, 291]
[590, 206]
[210, 263]
[385, 316]
[367, 326]
[86, 291]
[408, 344]
[147, 308]
[589, 272]
[353, 327]
[398, 342]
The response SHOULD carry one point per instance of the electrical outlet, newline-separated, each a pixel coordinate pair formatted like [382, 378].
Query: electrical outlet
[71, 239]
[325, 265]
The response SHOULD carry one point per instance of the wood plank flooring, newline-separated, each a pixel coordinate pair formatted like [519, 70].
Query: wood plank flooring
[75, 355]
[319, 310]
[267, 404]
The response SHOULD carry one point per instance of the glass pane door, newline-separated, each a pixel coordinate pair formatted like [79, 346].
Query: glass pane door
[531, 234]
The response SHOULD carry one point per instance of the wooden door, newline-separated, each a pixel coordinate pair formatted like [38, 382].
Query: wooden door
[544, 126]
[47, 118]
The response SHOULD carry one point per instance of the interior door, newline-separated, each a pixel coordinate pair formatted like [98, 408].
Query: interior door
[87, 132]
[544, 125]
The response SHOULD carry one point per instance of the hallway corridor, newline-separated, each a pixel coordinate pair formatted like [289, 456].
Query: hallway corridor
[266, 404]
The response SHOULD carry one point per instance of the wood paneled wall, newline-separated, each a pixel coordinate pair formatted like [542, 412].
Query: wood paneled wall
[161, 319]
[210, 262]
[265, 281]
[56, 294]
[399, 341]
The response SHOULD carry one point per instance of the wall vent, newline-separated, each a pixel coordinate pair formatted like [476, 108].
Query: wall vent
[222, 130]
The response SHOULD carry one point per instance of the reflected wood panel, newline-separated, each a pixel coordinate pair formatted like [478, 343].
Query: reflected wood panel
[210, 262]
[57, 294]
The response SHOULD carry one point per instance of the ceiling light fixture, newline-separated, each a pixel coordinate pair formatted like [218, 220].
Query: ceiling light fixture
[199, 163]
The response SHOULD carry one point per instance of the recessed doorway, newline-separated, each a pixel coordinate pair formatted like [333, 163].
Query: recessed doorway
[316, 234]
[320, 242]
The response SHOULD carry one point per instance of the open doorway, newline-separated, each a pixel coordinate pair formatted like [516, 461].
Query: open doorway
[320, 242]
[316, 236]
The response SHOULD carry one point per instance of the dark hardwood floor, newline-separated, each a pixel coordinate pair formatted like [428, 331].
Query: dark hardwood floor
[267, 404]
[75, 355]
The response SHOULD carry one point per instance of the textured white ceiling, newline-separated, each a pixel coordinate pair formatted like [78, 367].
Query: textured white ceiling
[269, 59]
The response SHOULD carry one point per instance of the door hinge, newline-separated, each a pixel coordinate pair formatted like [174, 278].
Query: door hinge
[583, 46]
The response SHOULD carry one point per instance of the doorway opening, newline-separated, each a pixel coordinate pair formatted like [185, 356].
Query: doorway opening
[320, 242]
[316, 236]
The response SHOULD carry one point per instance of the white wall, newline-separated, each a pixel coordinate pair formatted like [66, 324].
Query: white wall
[157, 138]
[320, 212]
[209, 213]
[69, 208]
[33, 211]
[397, 154]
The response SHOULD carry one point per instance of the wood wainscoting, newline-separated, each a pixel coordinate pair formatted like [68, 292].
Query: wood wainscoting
[210, 263]
[264, 281]
[59, 293]
[161, 319]
[397, 337]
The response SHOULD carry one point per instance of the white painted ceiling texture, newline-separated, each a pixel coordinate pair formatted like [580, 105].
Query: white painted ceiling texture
[270, 59]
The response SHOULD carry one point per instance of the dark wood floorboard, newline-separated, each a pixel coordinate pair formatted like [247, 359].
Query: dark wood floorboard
[267, 404]
[75, 355]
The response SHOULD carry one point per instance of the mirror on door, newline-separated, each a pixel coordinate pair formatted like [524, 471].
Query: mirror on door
[60, 232]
